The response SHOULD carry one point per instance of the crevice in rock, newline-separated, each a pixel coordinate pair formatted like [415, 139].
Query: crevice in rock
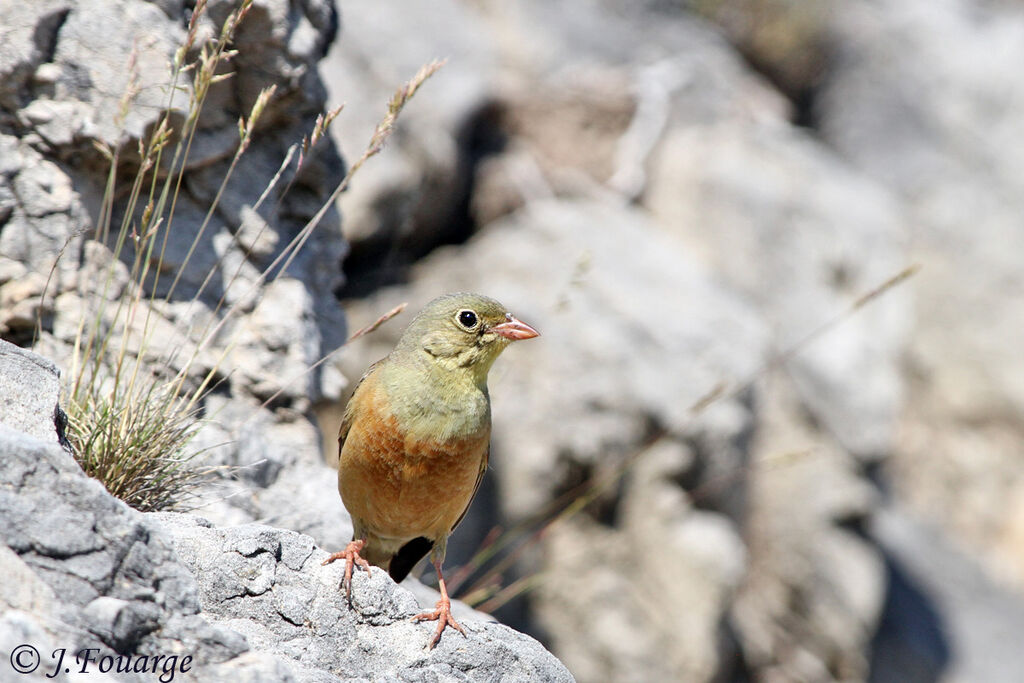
[60, 423]
[121, 550]
[300, 623]
[856, 524]
[36, 550]
[735, 668]
[717, 479]
[273, 400]
[876, 472]
[910, 643]
[442, 214]
[805, 114]
[799, 75]
[46, 33]
[19, 337]
[231, 598]
[579, 477]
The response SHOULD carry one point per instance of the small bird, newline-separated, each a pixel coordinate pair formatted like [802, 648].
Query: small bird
[415, 438]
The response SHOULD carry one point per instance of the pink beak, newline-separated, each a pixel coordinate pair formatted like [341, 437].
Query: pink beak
[515, 329]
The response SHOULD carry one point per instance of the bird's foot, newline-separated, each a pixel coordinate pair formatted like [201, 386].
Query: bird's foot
[351, 556]
[442, 614]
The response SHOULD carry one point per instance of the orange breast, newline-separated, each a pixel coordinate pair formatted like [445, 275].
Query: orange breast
[400, 487]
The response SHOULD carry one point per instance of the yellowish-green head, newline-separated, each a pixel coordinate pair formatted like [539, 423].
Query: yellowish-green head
[463, 332]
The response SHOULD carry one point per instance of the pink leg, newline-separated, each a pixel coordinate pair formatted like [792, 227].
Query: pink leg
[442, 613]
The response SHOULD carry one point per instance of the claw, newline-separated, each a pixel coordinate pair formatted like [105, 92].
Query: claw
[443, 615]
[351, 556]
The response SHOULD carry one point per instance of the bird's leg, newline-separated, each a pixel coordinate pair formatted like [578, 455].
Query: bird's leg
[442, 611]
[351, 556]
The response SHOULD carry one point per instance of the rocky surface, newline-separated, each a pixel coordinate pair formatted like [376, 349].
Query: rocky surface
[269, 585]
[58, 101]
[702, 206]
[413, 198]
[792, 160]
[67, 71]
[253, 602]
[25, 411]
[948, 620]
[646, 310]
[940, 127]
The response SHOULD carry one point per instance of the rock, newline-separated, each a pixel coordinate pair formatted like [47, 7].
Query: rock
[22, 303]
[663, 554]
[42, 221]
[955, 622]
[624, 221]
[86, 571]
[805, 237]
[116, 578]
[583, 311]
[91, 50]
[250, 334]
[121, 586]
[27, 45]
[787, 40]
[35, 412]
[633, 184]
[269, 584]
[941, 128]
[75, 103]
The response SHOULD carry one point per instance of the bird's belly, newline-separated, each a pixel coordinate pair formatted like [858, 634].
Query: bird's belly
[401, 487]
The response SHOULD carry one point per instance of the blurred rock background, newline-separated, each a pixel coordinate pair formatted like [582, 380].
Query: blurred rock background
[776, 253]
[691, 199]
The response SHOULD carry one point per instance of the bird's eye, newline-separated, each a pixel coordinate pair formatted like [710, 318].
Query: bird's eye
[467, 319]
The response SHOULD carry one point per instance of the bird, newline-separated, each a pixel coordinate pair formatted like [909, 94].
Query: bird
[415, 439]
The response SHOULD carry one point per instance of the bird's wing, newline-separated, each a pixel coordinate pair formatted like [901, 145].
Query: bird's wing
[476, 487]
[349, 416]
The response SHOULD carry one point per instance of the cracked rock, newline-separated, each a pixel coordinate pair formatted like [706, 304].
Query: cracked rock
[249, 603]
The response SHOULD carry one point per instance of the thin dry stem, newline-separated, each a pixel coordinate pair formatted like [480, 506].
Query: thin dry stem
[287, 255]
[359, 333]
[372, 327]
[380, 135]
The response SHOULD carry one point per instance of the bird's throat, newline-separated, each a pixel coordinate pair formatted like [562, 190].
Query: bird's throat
[439, 402]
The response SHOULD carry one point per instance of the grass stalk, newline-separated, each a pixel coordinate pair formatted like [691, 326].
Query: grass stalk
[129, 426]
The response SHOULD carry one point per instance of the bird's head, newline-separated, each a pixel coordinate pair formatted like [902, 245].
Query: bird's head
[463, 332]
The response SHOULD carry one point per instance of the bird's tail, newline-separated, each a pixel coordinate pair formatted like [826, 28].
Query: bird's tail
[407, 556]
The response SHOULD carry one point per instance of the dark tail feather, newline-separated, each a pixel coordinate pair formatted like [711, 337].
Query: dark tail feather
[407, 557]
